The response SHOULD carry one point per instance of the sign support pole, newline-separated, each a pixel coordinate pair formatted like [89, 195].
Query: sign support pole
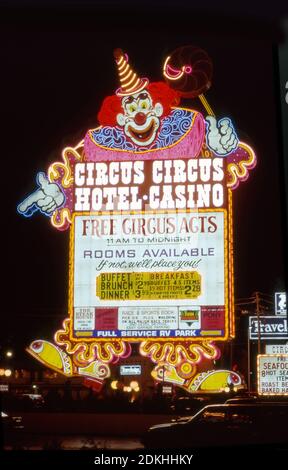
[258, 319]
[249, 364]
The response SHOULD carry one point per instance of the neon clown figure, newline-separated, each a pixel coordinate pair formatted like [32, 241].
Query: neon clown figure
[140, 118]
[141, 121]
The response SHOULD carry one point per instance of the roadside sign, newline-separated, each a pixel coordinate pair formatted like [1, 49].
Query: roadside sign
[132, 369]
[167, 389]
[272, 374]
[280, 303]
[4, 387]
[270, 327]
[276, 348]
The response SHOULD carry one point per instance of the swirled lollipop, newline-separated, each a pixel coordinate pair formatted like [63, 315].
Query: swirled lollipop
[189, 70]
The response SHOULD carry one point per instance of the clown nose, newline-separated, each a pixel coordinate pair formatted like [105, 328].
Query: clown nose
[140, 119]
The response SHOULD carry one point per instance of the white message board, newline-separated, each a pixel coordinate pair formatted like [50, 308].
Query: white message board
[272, 372]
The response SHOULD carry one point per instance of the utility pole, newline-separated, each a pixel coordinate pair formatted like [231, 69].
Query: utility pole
[257, 301]
[249, 360]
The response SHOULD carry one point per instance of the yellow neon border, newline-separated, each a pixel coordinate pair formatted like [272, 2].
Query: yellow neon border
[227, 275]
[53, 171]
[136, 153]
[152, 349]
[258, 374]
[240, 170]
[67, 180]
[231, 264]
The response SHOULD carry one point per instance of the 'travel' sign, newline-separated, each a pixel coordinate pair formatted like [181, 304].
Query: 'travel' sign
[147, 196]
[272, 374]
[269, 327]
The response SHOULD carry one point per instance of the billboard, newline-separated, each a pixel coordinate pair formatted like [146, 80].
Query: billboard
[132, 286]
[147, 197]
[272, 373]
[280, 303]
[276, 348]
[268, 327]
[131, 369]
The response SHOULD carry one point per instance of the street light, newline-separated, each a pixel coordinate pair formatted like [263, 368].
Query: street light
[9, 354]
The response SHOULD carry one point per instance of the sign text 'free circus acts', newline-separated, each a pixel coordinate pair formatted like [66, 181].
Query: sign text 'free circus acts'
[147, 196]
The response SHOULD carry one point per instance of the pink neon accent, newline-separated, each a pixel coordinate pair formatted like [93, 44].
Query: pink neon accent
[126, 57]
[188, 69]
[172, 69]
[188, 147]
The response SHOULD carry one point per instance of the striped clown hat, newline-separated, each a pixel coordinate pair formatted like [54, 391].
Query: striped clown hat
[129, 80]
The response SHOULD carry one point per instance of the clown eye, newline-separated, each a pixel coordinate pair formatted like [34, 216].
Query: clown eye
[144, 105]
[132, 108]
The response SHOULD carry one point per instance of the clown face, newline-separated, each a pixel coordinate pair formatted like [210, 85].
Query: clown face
[141, 119]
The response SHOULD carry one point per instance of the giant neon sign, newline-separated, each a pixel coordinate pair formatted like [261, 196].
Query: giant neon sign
[147, 197]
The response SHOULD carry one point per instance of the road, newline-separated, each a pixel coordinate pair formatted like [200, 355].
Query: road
[74, 431]
[67, 442]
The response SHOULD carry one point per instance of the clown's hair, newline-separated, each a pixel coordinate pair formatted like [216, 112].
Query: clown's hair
[160, 93]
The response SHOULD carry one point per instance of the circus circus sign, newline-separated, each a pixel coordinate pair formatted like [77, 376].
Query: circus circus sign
[147, 197]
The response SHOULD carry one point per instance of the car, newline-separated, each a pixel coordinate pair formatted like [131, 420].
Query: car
[11, 422]
[36, 399]
[243, 400]
[224, 425]
[23, 402]
[188, 405]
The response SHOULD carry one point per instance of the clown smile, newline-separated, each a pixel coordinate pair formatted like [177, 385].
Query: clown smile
[140, 118]
[142, 134]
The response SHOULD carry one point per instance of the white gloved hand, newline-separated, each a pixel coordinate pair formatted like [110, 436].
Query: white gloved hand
[46, 198]
[221, 138]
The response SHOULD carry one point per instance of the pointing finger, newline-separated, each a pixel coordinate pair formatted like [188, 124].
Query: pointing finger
[30, 200]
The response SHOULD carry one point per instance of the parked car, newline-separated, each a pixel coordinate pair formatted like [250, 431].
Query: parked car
[11, 422]
[23, 402]
[243, 400]
[224, 425]
[187, 406]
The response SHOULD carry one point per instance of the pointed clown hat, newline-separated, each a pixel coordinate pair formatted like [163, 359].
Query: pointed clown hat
[129, 80]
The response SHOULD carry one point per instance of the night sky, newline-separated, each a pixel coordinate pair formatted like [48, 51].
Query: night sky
[57, 67]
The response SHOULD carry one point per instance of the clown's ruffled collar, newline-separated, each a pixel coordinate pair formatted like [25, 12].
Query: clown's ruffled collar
[175, 129]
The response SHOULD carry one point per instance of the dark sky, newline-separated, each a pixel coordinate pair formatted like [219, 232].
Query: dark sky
[57, 67]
